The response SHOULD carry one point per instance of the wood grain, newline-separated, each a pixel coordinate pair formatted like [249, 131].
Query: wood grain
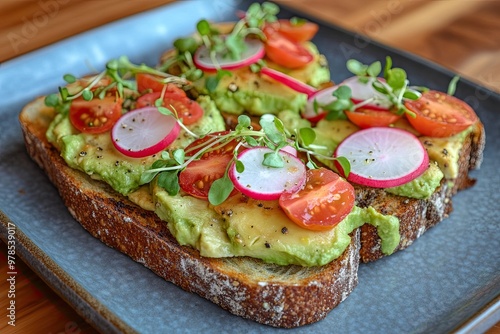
[462, 35]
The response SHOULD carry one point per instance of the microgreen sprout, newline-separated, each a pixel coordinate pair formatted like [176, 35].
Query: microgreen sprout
[394, 86]
[113, 78]
[452, 86]
[231, 45]
[272, 134]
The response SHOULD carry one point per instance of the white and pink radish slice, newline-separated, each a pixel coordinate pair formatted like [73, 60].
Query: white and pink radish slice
[362, 91]
[321, 97]
[253, 53]
[289, 81]
[267, 183]
[383, 157]
[144, 132]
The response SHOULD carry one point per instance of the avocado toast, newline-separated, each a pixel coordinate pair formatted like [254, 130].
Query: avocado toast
[241, 308]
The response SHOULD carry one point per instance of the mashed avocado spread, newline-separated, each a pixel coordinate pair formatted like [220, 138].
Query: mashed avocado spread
[257, 94]
[260, 229]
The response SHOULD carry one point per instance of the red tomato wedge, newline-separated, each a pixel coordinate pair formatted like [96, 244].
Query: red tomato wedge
[199, 175]
[224, 147]
[298, 32]
[95, 116]
[324, 201]
[285, 52]
[144, 132]
[440, 115]
[150, 82]
[186, 109]
[367, 118]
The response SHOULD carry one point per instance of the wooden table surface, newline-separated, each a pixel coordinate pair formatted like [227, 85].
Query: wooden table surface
[462, 35]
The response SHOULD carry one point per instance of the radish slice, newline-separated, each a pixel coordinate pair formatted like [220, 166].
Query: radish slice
[253, 53]
[267, 183]
[364, 91]
[290, 149]
[289, 81]
[322, 97]
[383, 157]
[143, 132]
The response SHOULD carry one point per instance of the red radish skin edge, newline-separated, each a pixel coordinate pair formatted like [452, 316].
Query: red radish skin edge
[208, 66]
[324, 96]
[152, 149]
[245, 190]
[289, 81]
[374, 183]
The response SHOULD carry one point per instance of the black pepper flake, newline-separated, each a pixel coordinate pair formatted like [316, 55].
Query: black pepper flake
[445, 152]
[284, 230]
[260, 205]
[99, 157]
[117, 163]
[83, 153]
[267, 244]
[427, 143]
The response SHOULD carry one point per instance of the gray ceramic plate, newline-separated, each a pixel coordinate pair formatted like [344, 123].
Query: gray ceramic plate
[438, 284]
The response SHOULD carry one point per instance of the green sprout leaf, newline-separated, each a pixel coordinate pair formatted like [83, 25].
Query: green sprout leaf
[52, 100]
[69, 78]
[169, 181]
[396, 78]
[179, 156]
[356, 67]
[240, 167]
[220, 190]
[452, 86]
[345, 165]
[307, 136]
[273, 159]
[87, 95]
[343, 93]
[374, 69]
[165, 111]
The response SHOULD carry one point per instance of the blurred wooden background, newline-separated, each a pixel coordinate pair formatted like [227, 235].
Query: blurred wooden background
[462, 35]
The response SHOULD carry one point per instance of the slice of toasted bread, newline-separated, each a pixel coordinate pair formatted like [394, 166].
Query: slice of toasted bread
[281, 296]
[418, 215]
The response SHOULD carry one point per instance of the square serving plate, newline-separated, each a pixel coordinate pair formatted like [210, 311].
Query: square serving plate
[448, 279]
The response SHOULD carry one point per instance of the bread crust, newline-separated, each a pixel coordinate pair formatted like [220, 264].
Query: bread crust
[416, 216]
[279, 296]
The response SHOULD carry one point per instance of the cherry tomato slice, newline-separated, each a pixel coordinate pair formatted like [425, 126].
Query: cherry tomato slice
[298, 32]
[147, 100]
[199, 175]
[367, 118]
[440, 115]
[226, 148]
[324, 201]
[150, 82]
[95, 116]
[285, 52]
[187, 110]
